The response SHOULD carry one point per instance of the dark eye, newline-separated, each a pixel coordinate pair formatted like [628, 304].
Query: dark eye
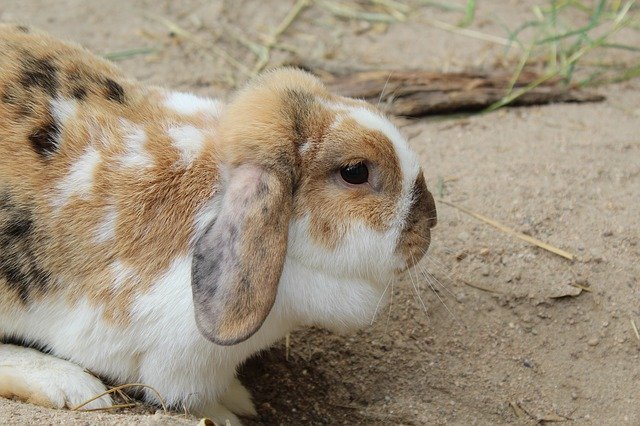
[355, 174]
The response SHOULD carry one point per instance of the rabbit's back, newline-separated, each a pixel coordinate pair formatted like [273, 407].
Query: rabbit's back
[101, 178]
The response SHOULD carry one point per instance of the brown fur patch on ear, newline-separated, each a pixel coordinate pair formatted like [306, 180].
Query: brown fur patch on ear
[238, 261]
[269, 119]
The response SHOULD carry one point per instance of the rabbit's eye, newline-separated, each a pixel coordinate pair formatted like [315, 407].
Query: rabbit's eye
[355, 174]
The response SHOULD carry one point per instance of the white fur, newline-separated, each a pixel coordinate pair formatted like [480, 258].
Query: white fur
[135, 138]
[79, 181]
[238, 399]
[107, 229]
[188, 140]
[30, 375]
[63, 110]
[189, 104]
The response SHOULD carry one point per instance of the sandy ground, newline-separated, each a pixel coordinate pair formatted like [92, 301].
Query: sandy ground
[530, 349]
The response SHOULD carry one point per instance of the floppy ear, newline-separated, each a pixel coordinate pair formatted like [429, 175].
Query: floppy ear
[238, 261]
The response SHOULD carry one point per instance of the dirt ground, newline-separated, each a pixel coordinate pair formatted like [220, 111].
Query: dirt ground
[530, 350]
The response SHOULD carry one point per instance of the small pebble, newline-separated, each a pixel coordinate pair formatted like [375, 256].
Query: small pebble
[593, 342]
[527, 363]
[485, 271]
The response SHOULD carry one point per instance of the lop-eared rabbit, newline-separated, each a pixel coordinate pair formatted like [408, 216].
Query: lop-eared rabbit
[154, 236]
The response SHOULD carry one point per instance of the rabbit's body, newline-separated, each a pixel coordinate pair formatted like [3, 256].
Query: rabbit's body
[138, 225]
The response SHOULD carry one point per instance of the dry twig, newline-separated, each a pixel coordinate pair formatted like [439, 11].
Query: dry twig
[117, 389]
[510, 231]
[272, 39]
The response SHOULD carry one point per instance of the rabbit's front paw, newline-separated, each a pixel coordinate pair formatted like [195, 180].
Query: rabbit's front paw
[238, 399]
[38, 378]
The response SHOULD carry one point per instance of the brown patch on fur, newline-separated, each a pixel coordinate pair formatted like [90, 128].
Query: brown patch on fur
[114, 91]
[416, 235]
[20, 268]
[40, 72]
[44, 139]
[157, 204]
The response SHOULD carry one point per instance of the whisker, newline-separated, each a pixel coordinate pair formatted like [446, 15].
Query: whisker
[415, 287]
[380, 301]
[428, 275]
[384, 88]
[386, 327]
[452, 276]
[444, 304]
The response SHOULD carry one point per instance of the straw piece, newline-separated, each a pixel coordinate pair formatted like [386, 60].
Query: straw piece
[116, 389]
[519, 412]
[635, 329]
[128, 53]
[272, 39]
[113, 407]
[222, 53]
[469, 33]
[479, 287]
[511, 231]
[347, 12]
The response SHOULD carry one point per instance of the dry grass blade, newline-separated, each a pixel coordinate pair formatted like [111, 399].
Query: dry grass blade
[519, 412]
[479, 287]
[272, 39]
[635, 329]
[129, 53]
[581, 287]
[116, 389]
[468, 33]
[175, 28]
[393, 5]
[511, 231]
[347, 12]
[113, 407]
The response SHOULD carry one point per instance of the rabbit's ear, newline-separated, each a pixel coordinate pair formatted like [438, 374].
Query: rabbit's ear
[238, 261]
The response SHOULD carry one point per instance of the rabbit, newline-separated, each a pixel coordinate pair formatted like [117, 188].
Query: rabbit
[157, 237]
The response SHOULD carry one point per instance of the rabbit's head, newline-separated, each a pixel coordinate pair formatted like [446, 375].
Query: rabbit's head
[322, 197]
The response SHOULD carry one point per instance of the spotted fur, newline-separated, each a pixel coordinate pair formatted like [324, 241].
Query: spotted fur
[159, 237]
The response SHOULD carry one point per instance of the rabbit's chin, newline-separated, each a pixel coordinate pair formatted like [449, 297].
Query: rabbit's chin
[339, 288]
[310, 297]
